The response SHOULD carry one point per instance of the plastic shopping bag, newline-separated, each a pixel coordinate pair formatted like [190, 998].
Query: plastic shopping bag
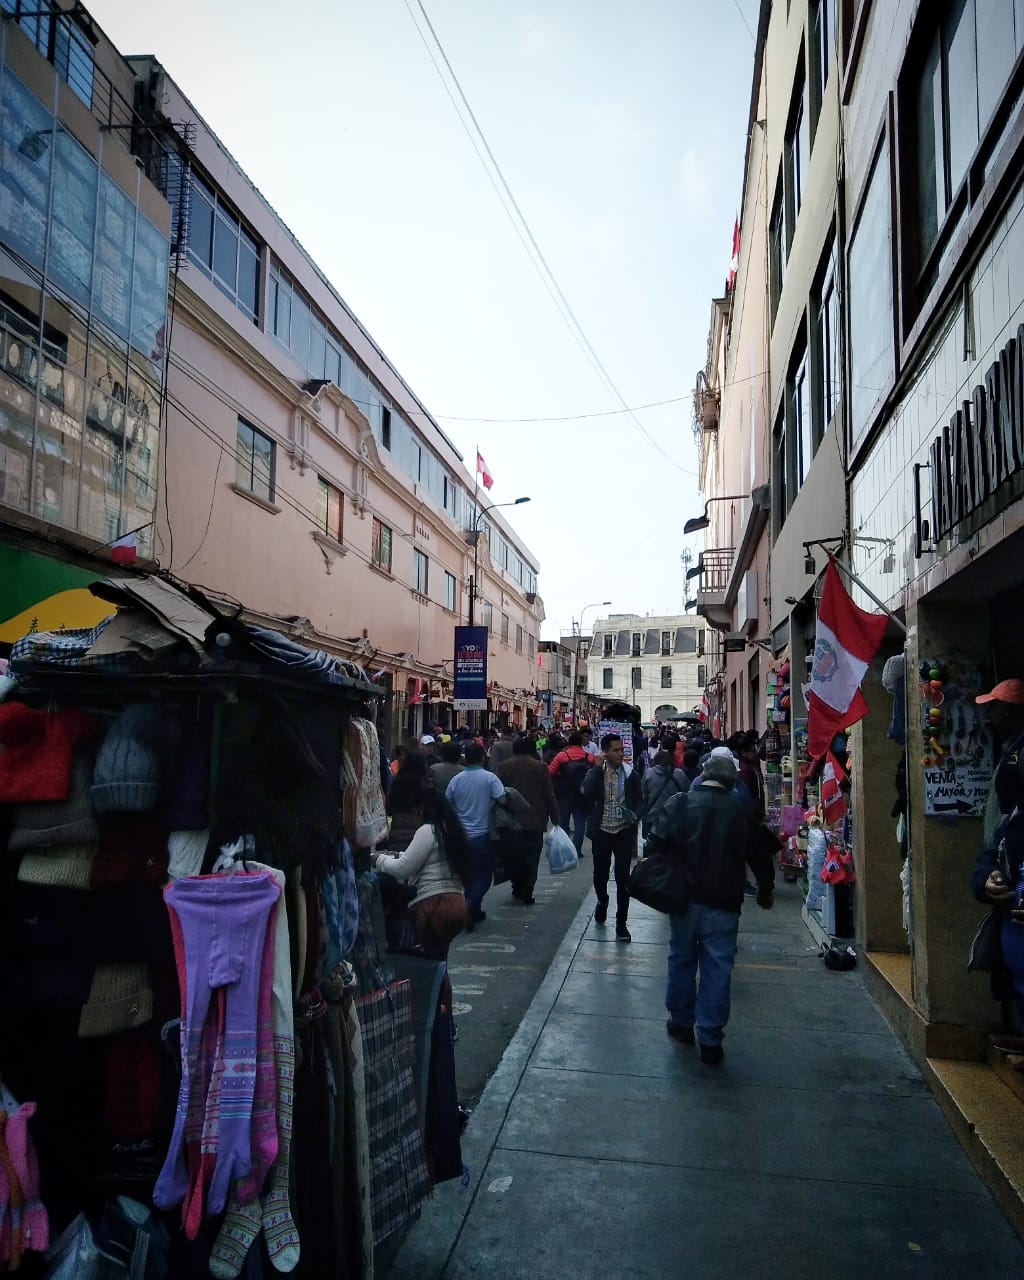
[560, 850]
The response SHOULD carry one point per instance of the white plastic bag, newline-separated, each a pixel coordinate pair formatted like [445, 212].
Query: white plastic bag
[560, 850]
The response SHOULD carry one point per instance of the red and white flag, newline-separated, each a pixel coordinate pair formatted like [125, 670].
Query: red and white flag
[705, 709]
[125, 550]
[846, 639]
[483, 471]
[734, 264]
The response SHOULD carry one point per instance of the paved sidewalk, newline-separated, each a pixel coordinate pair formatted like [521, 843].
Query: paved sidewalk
[603, 1149]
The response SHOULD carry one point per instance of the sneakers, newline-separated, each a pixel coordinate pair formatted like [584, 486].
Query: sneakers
[622, 934]
[678, 1032]
[712, 1054]
[601, 913]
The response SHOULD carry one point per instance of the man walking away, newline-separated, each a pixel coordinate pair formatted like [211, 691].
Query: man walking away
[501, 750]
[527, 775]
[710, 830]
[472, 793]
[613, 797]
[568, 770]
[661, 782]
[447, 767]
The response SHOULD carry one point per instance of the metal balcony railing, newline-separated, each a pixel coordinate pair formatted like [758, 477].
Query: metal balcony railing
[715, 569]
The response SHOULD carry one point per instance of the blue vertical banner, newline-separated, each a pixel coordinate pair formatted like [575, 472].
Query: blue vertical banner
[470, 669]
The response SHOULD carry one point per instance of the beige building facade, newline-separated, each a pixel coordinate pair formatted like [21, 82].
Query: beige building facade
[656, 663]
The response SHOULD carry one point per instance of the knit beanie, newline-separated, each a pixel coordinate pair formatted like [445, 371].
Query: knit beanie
[36, 750]
[120, 999]
[127, 775]
[64, 867]
[70, 821]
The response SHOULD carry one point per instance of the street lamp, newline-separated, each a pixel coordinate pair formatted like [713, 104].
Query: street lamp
[475, 529]
[576, 655]
[760, 497]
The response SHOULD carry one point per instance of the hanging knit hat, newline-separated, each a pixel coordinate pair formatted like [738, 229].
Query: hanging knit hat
[36, 750]
[64, 867]
[127, 773]
[71, 821]
[120, 999]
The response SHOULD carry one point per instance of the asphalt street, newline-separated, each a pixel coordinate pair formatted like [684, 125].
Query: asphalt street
[496, 970]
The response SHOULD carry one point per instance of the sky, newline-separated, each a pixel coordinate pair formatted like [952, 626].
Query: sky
[620, 131]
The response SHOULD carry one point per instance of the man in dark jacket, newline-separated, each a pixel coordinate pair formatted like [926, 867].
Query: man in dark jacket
[613, 796]
[709, 829]
[568, 769]
[525, 773]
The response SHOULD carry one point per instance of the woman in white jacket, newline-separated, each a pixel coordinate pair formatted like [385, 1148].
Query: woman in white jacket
[436, 863]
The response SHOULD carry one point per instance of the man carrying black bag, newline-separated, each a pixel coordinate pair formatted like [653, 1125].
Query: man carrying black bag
[710, 830]
[520, 848]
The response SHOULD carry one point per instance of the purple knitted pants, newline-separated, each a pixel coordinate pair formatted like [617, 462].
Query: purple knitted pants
[219, 927]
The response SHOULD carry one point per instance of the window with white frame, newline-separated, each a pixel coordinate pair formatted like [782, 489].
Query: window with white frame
[607, 675]
[421, 569]
[330, 507]
[666, 677]
[254, 461]
[380, 547]
[449, 591]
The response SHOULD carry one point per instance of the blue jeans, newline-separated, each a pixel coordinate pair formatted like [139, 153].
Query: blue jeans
[700, 959]
[574, 809]
[481, 872]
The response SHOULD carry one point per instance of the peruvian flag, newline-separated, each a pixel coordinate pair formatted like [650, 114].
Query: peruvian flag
[846, 639]
[734, 264]
[483, 470]
[125, 550]
[705, 709]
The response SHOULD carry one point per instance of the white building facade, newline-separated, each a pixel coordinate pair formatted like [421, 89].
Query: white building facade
[655, 663]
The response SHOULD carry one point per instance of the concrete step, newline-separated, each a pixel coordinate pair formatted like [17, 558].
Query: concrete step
[1009, 1069]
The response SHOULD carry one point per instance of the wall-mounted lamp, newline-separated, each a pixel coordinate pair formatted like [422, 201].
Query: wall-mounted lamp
[809, 565]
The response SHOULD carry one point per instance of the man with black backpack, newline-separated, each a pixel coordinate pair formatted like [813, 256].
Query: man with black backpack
[568, 769]
[661, 782]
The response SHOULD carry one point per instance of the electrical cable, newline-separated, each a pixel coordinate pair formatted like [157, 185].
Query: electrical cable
[537, 258]
[743, 19]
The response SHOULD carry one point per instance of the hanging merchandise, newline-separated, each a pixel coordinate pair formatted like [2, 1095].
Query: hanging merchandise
[833, 797]
[186, 804]
[957, 763]
[838, 867]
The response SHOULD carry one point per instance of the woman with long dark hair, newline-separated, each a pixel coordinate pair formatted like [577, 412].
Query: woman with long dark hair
[432, 855]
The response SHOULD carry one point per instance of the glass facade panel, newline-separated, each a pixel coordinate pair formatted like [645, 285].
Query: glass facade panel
[27, 154]
[870, 275]
[73, 224]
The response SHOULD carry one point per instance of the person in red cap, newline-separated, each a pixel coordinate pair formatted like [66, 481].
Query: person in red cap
[1000, 865]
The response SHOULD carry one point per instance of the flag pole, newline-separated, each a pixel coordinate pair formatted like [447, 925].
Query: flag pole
[852, 577]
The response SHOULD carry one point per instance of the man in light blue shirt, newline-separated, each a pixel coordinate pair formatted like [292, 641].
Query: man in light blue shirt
[472, 794]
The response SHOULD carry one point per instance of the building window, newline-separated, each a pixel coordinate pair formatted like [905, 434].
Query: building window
[449, 591]
[799, 424]
[821, 43]
[519, 639]
[666, 643]
[254, 461]
[606, 677]
[519, 570]
[776, 251]
[73, 57]
[488, 616]
[957, 70]
[702, 676]
[780, 468]
[826, 350]
[796, 156]
[420, 568]
[635, 650]
[503, 553]
[531, 652]
[636, 677]
[871, 319]
[504, 628]
[666, 677]
[380, 550]
[385, 427]
[609, 642]
[222, 249]
[330, 505]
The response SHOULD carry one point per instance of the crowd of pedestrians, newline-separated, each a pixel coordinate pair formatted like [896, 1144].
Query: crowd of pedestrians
[463, 806]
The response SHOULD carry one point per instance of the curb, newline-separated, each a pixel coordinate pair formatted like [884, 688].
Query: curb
[431, 1241]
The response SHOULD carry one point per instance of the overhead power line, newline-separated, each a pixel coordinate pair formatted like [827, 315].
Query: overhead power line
[518, 219]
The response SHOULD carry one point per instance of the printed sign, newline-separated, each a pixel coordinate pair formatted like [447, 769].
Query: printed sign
[470, 669]
[957, 763]
[625, 732]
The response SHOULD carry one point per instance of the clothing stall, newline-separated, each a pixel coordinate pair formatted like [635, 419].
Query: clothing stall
[209, 1062]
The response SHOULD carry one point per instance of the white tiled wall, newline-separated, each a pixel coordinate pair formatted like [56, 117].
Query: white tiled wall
[882, 491]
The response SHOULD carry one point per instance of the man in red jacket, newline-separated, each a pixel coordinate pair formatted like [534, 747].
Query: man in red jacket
[568, 769]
